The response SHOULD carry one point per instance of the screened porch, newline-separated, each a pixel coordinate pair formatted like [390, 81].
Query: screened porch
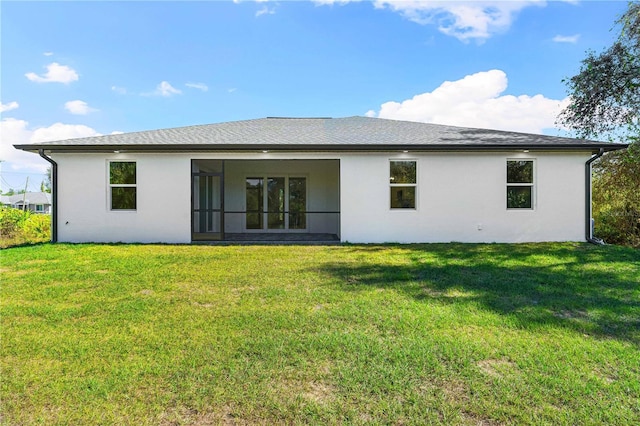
[265, 200]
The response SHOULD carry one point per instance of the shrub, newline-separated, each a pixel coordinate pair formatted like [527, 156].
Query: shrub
[11, 221]
[20, 227]
[37, 227]
[616, 198]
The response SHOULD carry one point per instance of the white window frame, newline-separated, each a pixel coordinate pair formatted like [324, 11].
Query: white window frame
[402, 185]
[120, 185]
[531, 185]
[39, 208]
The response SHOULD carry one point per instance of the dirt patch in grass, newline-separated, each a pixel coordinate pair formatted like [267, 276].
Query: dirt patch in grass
[225, 416]
[474, 419]
[497, 367]
[203, 305]
[455, 390]
[14, 273]
[431, 292]
[319, 392]
[566, 314]
[605, 376]
[36, 262]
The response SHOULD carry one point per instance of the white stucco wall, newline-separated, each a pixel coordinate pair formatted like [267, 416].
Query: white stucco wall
[163, 211]
[462, 197]
[163, 199]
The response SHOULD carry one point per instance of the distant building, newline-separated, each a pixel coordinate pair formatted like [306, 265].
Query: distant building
[36, 202]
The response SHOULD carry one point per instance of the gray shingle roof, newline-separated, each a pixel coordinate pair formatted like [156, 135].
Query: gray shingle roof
[29, 197]
[350, 133]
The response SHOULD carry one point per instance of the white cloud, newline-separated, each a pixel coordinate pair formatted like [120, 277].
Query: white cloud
[370, 113]
[476, 101]
[164, 89]
[265, 11]
[60, 131]
[78, 107]
[9, 106]
[117, 132]
[119, 90]
[16, 131]
[465, 20]
[232, 89]
[48, 53]
[199, 86]
[56, 73]
[567, 39]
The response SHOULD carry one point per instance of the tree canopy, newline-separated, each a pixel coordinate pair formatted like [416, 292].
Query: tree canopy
[605, 104]
[605, 94]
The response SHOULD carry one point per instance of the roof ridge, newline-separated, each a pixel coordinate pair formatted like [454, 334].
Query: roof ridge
[299, 118]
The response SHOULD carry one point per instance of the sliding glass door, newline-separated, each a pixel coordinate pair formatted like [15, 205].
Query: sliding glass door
[297, 203]
[285, 199]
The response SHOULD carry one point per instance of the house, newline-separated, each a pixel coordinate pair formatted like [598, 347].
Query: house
[354, 179]
[36, 202]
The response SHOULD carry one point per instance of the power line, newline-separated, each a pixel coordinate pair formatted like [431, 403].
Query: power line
[22, 173]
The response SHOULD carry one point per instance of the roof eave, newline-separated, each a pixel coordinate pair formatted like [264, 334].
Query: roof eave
[316, 148]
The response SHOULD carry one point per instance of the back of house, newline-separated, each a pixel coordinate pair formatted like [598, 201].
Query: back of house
[354, 179]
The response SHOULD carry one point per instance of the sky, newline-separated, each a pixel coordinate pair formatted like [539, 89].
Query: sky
[75, 69]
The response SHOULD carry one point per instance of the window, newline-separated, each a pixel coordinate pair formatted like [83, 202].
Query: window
[39, 208]
[122, 185]
[519, 184]
[402, 179]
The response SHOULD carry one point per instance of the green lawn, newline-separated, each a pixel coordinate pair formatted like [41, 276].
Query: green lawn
[415, 334]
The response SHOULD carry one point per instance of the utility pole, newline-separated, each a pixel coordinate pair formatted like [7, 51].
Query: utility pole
[24, 195]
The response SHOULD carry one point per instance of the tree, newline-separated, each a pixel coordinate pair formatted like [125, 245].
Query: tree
[45, 186]
[605, 104]
[605, 94]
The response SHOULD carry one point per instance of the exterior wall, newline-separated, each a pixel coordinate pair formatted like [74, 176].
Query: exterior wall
[163, 211]
[163, 199]
[462, 197]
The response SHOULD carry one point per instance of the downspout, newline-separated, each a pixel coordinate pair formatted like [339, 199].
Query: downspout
[587, 195]
[54, 201]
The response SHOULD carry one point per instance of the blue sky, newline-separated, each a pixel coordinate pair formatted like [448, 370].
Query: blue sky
[73, 69]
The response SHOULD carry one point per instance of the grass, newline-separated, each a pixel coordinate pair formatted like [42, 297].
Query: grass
[440, 334]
